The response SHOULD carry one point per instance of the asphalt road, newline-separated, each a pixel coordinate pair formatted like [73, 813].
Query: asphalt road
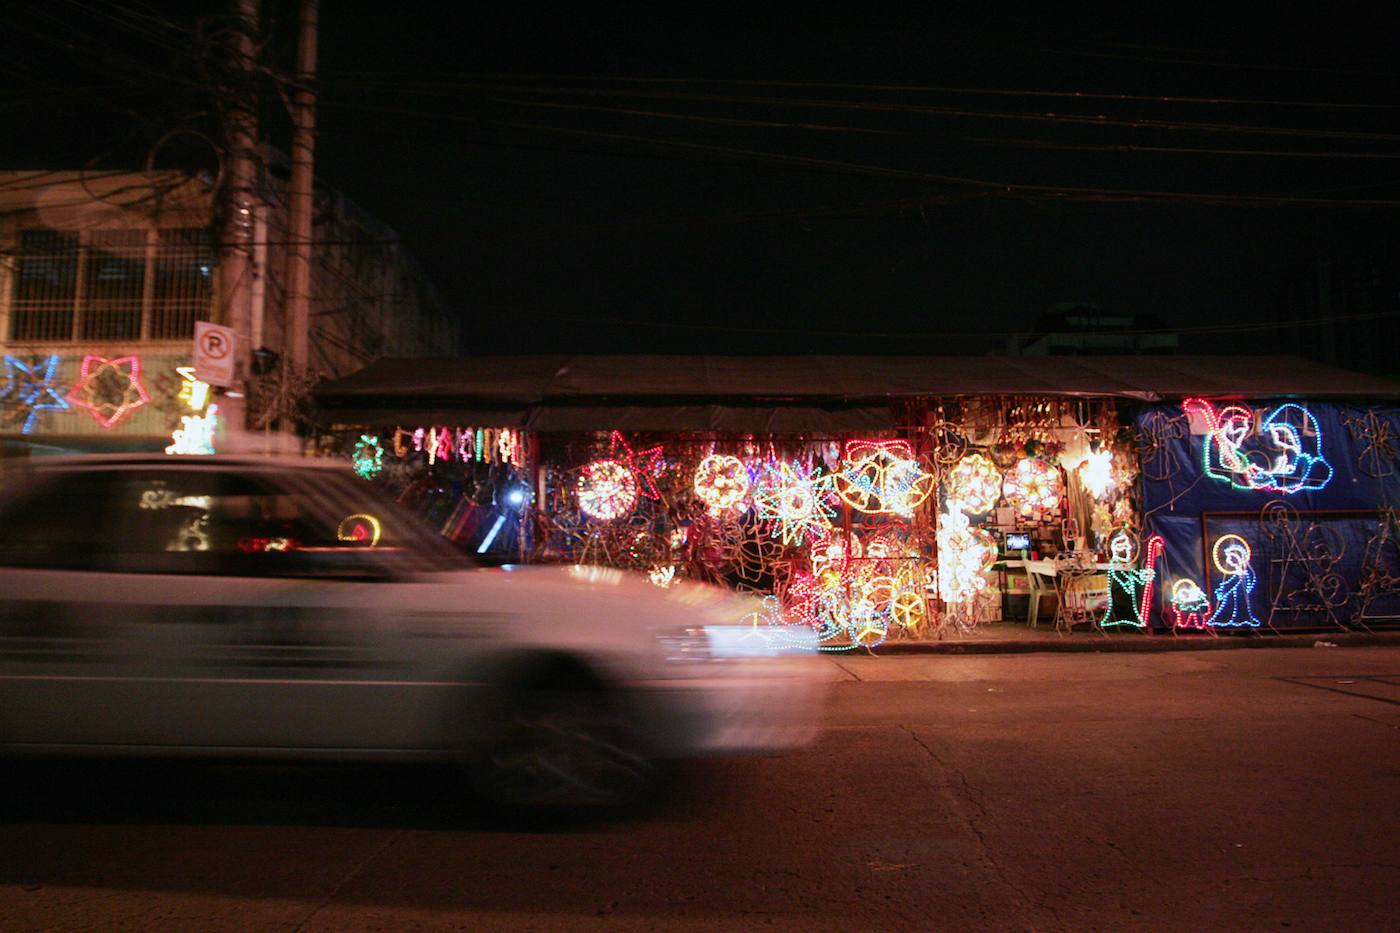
[1251, 789]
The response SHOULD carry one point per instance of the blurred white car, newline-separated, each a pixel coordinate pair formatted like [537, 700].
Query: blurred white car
[255, 607]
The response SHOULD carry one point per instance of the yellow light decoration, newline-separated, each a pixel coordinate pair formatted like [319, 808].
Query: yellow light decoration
[882, 478]
[607, 489]
[359, 528]
[964, 554]
[195, 436]
[721, 482]
[1096, 473]
[193, 393]
[974, 483]
[663, 576]
[1033, 485]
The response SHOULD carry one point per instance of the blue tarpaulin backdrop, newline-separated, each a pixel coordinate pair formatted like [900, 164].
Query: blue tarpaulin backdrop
[1321, 556]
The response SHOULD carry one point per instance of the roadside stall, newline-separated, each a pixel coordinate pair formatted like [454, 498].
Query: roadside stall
[868, 498]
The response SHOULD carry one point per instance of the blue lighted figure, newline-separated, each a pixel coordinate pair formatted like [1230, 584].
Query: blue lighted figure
[1232, 608]
[1298, 438]
[1130, 588]
[30, 388]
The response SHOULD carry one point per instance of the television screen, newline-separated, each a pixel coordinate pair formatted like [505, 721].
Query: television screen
[1018, 542]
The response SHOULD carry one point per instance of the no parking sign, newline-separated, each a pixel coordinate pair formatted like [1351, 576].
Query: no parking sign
[213, 353]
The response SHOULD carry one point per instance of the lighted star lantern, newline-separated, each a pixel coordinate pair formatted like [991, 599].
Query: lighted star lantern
[974, 483]
[195, 436]
[31, 388]
[794, 500]
[367, 459]
[1033, 485]
[1096, 473]
[642, 464]
[606, 489]
[964, 553]
[721, 482]
[109, 389]
[882, 478]
[193, 393]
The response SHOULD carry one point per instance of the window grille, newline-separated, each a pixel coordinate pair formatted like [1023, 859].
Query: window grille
[104, 284]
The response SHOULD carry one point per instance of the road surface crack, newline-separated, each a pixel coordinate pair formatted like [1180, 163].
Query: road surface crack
[974, 821]
[349, 876]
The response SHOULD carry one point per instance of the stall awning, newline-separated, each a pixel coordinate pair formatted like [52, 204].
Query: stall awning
[768, 394]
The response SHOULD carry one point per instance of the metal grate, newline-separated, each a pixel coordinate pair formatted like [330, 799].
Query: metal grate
[46, 286]
[184, 268]
[114, 283]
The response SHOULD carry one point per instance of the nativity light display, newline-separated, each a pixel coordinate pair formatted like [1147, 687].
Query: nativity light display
[110, 390]
[1190, 605]
[1289, 461]
[721, 482]
[29, 389]
[882, 478]
[1231, 556]
[1128, 585]
[1033, 486]
[974, 483]
[794, 500]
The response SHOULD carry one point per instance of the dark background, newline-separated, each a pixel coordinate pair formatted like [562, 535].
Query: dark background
[837, 180]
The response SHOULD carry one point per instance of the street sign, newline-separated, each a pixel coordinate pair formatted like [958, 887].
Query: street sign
[213, 353]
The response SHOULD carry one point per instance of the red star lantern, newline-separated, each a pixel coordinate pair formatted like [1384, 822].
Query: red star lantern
[109, 391]
[642, 463]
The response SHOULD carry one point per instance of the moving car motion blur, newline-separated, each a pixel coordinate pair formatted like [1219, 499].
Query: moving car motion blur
[256, 607]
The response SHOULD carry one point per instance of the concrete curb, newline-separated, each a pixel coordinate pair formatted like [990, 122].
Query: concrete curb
[1142, 643]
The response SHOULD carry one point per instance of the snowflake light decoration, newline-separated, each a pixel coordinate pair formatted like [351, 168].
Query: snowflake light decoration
[721, 482]
[109, 391]
[794, 500]
[1096, 473]
[1033, 485]
[368, 457]
[30, 389]
[882, 478]
[974, 483]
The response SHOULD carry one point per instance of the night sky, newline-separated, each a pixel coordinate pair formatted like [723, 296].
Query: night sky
[840, 180]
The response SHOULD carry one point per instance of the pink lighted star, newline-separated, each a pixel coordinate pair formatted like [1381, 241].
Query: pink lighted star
[107, 390]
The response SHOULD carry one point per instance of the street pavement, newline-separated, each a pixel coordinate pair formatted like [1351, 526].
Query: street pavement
[1126, 791]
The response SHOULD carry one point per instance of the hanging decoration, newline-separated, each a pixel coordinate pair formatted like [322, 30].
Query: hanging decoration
[1033, 486]
[882, 478]
[795, 501]
[1290, 461]
[721, 482]
[1231, 556]
[195, 436]
[1096, 473]
[109, 389]
[1190, 606]
[974, 484]
[367, 459]
[29, 390]
[1130, 586]
[965, 552]
[607, 489]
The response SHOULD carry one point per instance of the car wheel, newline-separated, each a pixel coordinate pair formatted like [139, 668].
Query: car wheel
[567, 746]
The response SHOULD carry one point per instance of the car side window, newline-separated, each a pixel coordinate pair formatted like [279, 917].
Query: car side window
[60, 524]
[211, 522]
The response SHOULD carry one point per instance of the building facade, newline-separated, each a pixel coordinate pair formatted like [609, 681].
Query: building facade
[103, 276]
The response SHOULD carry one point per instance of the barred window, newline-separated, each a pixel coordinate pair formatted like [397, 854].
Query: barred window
[120, 284]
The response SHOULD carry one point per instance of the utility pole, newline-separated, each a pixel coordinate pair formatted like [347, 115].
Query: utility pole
[236, 270]
[301, 194]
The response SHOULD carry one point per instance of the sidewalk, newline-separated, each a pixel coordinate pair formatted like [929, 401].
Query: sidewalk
[1018, 638]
